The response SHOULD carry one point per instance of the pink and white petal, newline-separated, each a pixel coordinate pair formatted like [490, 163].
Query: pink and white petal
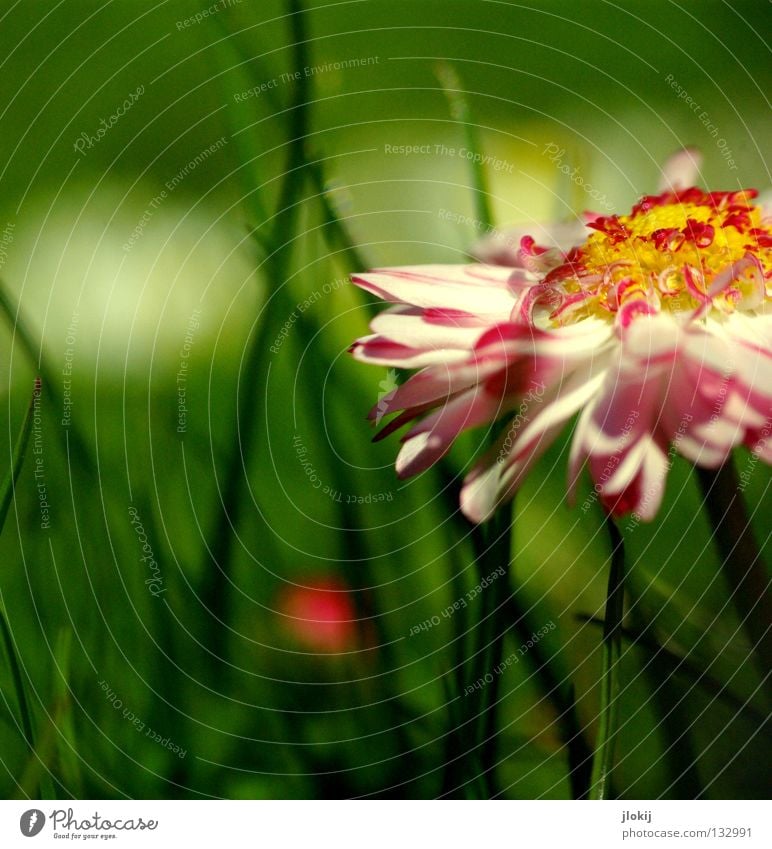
[651, 339]
[502, 355]
[695, 389]
[436, 383]
[750, 344]
[407, 326]
[760, 442]
[700, 452]
[764, 451]
[753, 370]
[578, 452]
[731, 376]
[570, 344]
[556, 407]
[623, 408]
[531, 359]
[492, 483]
[474, 288]
[749, 411]
[431, 438]
[454, 318]
[644, 494]
[628, 407]
[620, 470]
[496, 478]
[479, 493]
[408, 415]
[720, 432]
[681, 170]
[513, 474]
[575, 341]
[381, 351]
[708, 348]
[682, 403]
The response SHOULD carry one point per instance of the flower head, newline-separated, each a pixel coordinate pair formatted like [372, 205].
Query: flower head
[654, 326]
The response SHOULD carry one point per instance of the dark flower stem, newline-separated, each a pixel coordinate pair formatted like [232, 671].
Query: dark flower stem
[600, 785]
[741, 560]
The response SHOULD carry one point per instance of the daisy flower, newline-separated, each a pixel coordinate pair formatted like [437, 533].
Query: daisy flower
[654, 327]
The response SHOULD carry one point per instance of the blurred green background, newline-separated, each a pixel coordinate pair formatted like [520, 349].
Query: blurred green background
[169, 255]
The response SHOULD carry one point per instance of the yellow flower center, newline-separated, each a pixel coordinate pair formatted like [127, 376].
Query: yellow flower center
[676, 251]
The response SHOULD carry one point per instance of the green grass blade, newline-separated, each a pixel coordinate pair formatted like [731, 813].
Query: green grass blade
[17, 459]
[67, 747]
[460, 112]
[71, 437]
[7, 493]
[219, 556]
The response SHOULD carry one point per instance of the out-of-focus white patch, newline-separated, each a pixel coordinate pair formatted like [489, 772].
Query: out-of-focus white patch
[87, 287]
